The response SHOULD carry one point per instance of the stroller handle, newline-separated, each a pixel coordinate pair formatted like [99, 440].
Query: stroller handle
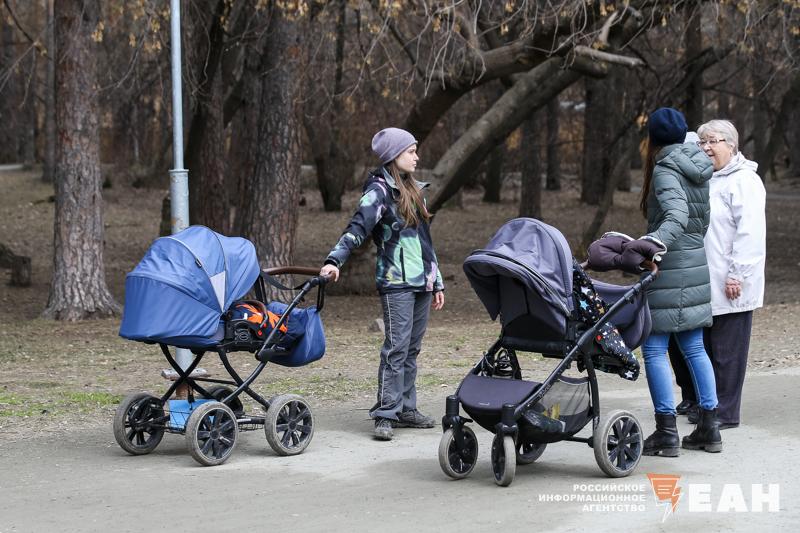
[302, 271]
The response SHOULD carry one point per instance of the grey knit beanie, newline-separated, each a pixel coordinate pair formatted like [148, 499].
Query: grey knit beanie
[390, 143]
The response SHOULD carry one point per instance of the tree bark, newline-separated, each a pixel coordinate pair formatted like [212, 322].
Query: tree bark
[333, 162]
[531, 91]
[78, 289]
[48, 169]
[493, 183]
[530, 201]
[9, 135]
[693, 49]
[553, 180]
[269, 215]
[602, 122]
[205, 154]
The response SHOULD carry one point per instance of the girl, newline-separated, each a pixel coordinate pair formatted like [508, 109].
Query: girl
[407, 275]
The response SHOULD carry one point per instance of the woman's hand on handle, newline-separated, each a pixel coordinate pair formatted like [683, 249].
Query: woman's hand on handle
[330, 271]
[438, 300]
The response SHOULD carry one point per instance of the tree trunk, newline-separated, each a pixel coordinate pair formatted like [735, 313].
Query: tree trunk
[693, 49]
[596, 117]
[334, 164]
[530, 200]
[204, 149]
[78, 289]
[789, 106]
[531, 91]
[493, 183]
[553, 180]
[48, 169]
[269, 215]
[9, 102]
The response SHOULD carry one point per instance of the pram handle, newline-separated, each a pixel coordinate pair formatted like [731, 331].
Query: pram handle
[652, 266]
[302, 271]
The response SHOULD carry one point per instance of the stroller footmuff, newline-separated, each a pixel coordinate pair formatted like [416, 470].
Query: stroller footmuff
[188, 292]
[527, 278]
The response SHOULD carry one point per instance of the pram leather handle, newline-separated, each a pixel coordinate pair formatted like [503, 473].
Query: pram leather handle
[647, 265]
[305, 271]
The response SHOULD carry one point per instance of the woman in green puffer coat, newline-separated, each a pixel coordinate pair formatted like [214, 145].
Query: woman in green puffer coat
[676, 204]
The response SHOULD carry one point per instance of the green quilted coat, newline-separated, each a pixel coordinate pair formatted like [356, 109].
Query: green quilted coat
[678, 215]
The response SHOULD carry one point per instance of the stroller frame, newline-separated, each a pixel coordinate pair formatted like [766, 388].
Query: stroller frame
[212, 424]
[458, 448]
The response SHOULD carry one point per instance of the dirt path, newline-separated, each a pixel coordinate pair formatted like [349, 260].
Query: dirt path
[345, 481]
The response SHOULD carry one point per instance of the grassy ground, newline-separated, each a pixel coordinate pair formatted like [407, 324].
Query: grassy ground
[61, 375]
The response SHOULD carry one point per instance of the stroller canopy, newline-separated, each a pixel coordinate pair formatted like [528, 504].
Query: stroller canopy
[526, 264]
[185, 282]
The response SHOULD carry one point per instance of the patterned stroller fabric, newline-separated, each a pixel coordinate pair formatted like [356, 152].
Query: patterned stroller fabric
[590, 308]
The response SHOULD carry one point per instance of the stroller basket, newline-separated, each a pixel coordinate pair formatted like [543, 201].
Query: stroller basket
[563, 410]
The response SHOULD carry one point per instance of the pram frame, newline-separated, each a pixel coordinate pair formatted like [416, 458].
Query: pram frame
[511, 413]
[240, 385]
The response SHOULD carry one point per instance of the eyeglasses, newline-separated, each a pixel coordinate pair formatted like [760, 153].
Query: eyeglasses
[712, 142]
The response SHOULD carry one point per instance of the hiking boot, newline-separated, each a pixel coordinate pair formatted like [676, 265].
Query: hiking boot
[664, 441]
[706, 435]
[414, 419]
[693, 414]
[383, 429]
[685, 406]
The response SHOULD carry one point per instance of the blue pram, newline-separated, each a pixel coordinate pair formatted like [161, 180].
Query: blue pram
[187, 292]
[524, 277]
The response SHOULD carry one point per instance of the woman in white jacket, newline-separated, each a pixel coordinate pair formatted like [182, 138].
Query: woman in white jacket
[736, 250]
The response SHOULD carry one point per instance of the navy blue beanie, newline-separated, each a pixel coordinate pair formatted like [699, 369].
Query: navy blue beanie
[666, 126]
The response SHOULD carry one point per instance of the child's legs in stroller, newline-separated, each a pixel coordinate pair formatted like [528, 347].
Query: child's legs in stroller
[400, 326]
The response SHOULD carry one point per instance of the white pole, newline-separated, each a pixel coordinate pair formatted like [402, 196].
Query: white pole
[178, 176]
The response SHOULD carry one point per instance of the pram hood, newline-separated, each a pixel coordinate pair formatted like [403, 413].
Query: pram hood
[537, 258]
[185, 282]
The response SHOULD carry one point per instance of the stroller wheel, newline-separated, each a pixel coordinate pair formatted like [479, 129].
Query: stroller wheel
[211, 433]
[219, 392]
[456, 463]
[289, 425]
[617, 443]
[504, 459]
[527, 453]
[139, 423]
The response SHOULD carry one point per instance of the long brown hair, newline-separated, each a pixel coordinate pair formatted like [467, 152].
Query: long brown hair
[410, 203]
[649, 165]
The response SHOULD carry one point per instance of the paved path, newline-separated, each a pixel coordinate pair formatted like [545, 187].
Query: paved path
[346, 481]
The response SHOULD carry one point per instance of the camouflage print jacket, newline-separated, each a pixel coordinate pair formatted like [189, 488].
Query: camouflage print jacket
[406, 260]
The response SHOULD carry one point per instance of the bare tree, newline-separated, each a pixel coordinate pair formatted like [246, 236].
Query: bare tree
[78, 289]
[269, 212]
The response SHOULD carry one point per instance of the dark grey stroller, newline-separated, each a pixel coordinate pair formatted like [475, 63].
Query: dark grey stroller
[525, 276]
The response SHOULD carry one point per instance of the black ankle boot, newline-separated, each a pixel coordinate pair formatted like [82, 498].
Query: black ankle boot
[664, 441]
[706, 435]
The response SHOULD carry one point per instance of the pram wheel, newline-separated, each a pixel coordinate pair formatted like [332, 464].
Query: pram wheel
[617, 443]
[139, 423]
[504, 459]
[289, 425]
[220, 392]
[528, 452]
[456, 463]
[211, 433]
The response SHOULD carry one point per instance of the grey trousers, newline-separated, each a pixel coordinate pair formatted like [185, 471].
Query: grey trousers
[405, 317]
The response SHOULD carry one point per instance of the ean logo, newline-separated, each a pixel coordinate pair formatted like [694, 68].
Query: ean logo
[666, 490]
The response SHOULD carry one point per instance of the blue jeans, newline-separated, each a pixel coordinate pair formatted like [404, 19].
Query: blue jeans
[659, 375]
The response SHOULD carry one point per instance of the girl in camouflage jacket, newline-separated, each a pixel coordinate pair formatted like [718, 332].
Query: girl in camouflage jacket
[407, 275]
